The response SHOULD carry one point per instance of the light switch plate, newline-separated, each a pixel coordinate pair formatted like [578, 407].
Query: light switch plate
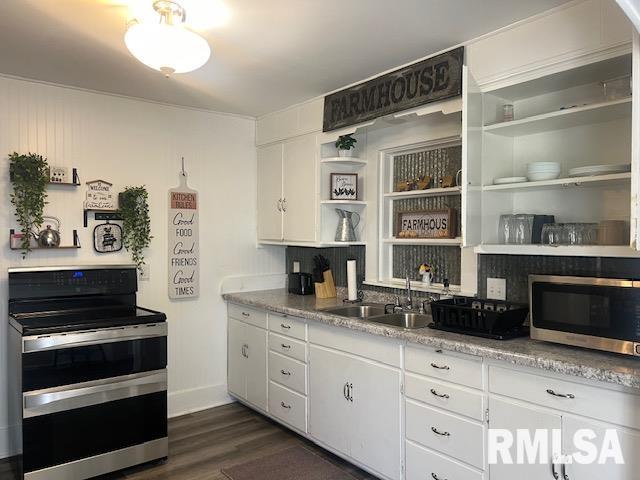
[296, 267]
[144, 272]
[497, 288]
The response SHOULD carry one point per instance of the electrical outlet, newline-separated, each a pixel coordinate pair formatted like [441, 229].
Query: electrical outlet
[497, 288]
[144, 272]
[296, 266]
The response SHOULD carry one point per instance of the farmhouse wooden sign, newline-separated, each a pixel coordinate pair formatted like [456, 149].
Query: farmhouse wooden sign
[426, 224]
[183, 241]
[430, 80]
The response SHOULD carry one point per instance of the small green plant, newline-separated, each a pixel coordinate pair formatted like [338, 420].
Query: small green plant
[29, 176]
[136, 224]
[346, 142]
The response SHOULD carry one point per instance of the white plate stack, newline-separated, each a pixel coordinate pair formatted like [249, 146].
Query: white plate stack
[540, 171]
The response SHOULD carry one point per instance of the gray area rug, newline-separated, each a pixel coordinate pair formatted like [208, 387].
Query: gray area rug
[295, 463]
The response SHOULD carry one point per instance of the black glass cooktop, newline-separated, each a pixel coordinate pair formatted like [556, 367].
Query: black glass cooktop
[57, 321]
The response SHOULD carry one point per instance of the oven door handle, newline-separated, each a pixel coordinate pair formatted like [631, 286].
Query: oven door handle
[40, 343]
[68, 397]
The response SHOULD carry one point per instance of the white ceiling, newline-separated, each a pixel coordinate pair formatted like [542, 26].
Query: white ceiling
[268, 55]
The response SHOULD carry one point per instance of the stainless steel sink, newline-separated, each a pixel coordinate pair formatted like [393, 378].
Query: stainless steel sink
[365, 310]
[404, 320]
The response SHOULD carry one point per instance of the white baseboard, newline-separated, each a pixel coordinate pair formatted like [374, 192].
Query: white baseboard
[196, 399]
[7, 447]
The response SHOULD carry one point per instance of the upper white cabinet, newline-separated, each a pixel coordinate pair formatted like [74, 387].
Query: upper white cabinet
[354, 407]
[286, 190]
[545, 42]
[291, 122]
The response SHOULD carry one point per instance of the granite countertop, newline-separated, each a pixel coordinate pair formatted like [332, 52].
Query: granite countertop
[588, 364]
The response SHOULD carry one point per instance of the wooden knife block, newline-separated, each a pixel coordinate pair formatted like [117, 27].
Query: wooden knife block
[326, 289]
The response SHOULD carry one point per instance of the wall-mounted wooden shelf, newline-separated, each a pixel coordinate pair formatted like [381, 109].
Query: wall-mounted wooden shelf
[571, 117]
[570, 182]
[75, 182]
[424, 241]
[431, 192]
[101, 215]
[348, 161]
[76, 243]
[343, 202]
[560, 250]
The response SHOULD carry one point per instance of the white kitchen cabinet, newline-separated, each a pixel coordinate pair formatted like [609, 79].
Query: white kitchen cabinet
[286, 190]
[354, 408]
[514, 416]
[629, 441]
[247, 363]
[270, 192]
[299, 194]
[290, 122]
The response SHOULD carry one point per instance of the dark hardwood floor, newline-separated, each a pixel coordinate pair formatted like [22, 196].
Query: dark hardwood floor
[201, 444]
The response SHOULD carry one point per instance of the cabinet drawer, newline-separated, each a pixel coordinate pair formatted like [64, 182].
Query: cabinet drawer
[248, 315]
[448, 434]
[423, 464]
[288, 346]
[290, 326]
[447, 396]
[288, 406]
[453, 367]
[288, 372]
[587, 400]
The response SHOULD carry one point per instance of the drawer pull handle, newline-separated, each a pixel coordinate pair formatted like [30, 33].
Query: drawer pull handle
[436, 477]
[284, 405]
[283, 372]
[561, 395]
[286, 347]
[245, 314]
[439, 395]
[440, 367]
[285, 326]
[438, 432]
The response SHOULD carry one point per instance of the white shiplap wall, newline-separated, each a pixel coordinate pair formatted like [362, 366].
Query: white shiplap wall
[130, 142]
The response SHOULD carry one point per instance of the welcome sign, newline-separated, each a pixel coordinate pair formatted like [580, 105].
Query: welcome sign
[428, 81]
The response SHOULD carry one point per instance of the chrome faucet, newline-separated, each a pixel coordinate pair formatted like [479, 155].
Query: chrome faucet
[409, 305]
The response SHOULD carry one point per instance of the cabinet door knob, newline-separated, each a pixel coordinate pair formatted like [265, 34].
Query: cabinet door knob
[284, 204]
[284, 372]
[554, 471]
[561, 395]
[245, 314]
[440, 367]
[439, 395]
[350, 391]
[286, 327]
[345, 390]
[436, 477]
[438, 432]
[284, 405]
[286, 347]
[279, 205]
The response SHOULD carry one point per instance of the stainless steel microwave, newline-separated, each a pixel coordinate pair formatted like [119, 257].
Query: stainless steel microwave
[598, 313]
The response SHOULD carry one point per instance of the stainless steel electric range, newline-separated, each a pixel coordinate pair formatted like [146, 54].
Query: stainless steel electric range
[88, 368]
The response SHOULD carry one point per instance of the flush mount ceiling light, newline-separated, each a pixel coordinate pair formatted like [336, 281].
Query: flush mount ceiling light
[167, 46]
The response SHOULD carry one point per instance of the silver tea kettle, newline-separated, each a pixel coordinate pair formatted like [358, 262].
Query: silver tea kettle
[346, 229]
[49, 238]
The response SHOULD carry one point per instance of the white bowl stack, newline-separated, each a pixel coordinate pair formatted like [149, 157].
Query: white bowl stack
[539, 171]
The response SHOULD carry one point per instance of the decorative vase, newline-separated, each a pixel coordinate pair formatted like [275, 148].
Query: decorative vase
[427, 277]
[345, 153]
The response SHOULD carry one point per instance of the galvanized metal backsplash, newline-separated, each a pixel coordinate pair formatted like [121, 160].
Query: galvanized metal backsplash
[407, 258]
[517, 268]
[337, 257]
[436, 163]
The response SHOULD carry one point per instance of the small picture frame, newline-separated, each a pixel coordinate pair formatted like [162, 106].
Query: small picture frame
[344, 186]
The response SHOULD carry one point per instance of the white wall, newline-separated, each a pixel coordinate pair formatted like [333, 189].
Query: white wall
[130, 142]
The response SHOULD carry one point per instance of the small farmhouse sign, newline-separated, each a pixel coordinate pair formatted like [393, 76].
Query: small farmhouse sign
[344, 186]
[100, 196]
[184, 256]
[431, 80]
[426, 224]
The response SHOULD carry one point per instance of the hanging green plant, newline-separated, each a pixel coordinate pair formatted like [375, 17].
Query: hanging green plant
[136, 225]
[29, 176]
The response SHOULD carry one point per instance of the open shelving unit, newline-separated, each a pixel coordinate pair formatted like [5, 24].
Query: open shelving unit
[75, 245]
[566, 118]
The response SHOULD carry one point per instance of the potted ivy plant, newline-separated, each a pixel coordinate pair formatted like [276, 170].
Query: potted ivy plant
[136, 224]
[29, 176]
[346, 145]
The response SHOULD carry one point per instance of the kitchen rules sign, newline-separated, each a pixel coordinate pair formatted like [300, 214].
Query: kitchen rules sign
[184, 261]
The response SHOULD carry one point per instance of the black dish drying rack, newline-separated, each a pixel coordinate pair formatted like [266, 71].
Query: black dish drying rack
[480, 317]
